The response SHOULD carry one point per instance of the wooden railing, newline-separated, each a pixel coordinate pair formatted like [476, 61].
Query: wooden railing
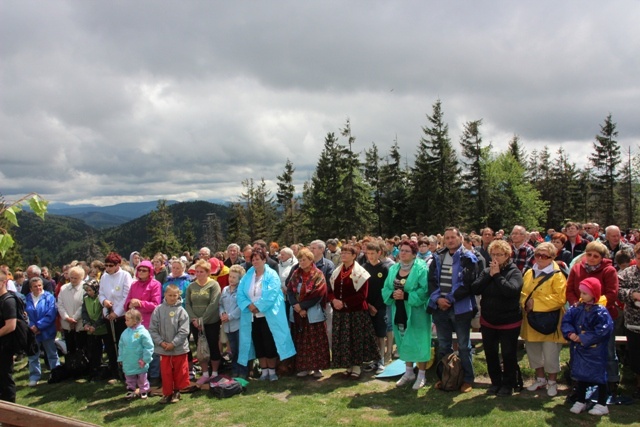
[14, 415]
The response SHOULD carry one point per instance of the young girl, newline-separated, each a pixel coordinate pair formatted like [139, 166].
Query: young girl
[95, 325]
[169, 330]
[135, 352]
[587, 326]
[230, 315]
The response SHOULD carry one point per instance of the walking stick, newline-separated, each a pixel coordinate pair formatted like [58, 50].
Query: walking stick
[115, 344]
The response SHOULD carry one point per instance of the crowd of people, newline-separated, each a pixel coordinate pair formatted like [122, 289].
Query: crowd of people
[352, 305]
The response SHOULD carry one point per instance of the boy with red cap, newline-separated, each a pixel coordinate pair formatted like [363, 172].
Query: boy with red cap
[587, 326]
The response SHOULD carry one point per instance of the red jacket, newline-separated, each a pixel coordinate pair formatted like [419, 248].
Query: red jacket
[608, 277]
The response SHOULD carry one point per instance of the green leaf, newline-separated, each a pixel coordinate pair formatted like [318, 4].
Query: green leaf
[6, 243]
[38, 206]
[10, 215]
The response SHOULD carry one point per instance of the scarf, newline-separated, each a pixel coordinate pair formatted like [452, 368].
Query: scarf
[591, 268]
[358, 275]
[313, 284]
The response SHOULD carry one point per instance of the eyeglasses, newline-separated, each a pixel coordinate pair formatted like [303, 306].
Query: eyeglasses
[109, 265]
[542, 256]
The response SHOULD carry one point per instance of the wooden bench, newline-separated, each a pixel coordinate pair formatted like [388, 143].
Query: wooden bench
[12, 414]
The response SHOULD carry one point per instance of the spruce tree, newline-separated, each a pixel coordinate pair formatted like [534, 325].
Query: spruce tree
[475, 181]
[435, 177]
[372, 176]
[517, 151]
[605, 160]
[394, 213]
[161, 233]
[287, 229]
[321, 206]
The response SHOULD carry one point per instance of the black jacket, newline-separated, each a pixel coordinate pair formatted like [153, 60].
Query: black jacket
[500, 304]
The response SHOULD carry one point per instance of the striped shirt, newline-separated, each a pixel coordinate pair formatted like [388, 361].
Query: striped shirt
[446, 274]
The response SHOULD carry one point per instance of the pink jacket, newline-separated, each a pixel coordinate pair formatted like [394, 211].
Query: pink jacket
[149, 293]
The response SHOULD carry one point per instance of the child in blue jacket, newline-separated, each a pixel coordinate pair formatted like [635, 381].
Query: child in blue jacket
[135, 352]
[587, 326]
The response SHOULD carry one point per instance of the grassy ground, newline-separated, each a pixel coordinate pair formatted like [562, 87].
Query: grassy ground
[330, 401]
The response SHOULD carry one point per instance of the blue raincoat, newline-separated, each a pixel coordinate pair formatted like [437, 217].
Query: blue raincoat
[272, 305]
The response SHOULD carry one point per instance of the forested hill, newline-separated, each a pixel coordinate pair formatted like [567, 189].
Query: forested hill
[60, 239]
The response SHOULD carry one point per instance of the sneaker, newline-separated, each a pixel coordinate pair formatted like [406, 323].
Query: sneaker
[379, 369]
[143, 395]
[302, 374]
[265, 375]
[273, 377]
[318, 374]
[538, 384]
[420, 382]
[405, 379]
[552, 389]
[33, 383]
[175, 398]
[166, 399]
[369, 367]
[599, 410]
[466, 388]
[203, 379]
[578, 407]
[130, 395]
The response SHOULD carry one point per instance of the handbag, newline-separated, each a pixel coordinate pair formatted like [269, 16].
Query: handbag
[202, 348]
[544, 322]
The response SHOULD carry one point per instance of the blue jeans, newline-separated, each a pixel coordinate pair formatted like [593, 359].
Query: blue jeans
[234, 345]
[154, 367]
[35, 371]
[446, 324]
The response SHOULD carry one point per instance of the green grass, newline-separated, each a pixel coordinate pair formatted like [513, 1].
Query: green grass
[330, 401]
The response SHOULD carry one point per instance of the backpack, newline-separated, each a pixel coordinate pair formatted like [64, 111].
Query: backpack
[77, 363]
[24, 340]
[450, 372]
[223, 387]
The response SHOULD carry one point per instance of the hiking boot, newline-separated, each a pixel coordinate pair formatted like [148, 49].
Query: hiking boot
[505, 391]
[599, 410]
[540, 383]
[466, 388]
[578, 407]
[493, 390]
[405, 379]
[175, 398]
[552, 389]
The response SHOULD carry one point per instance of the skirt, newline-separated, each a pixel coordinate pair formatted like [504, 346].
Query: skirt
[353, 339]
[312, 345]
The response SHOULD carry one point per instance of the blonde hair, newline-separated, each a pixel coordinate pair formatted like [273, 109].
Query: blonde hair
[546, 246]
[502, 246]
[134, 314]
[238, 269]
[205, 265]
[599, 247]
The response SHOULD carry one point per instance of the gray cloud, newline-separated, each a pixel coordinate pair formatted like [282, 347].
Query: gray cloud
[107, 102]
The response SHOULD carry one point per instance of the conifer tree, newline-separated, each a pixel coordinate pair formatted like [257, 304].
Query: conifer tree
[475, 180]
[436, 195]
[394, 213]
[162, 237]
[372, 177]
[287, 229]
[605, 160]
[238, 225]
[516, 150]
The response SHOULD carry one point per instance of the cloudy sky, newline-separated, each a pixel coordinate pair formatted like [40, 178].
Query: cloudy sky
[113, 101]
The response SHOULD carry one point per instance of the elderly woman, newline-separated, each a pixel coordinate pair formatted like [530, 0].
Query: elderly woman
[544, 291]
[307, 292]
[353, 337]
[264, 331]
[500, 284]
[405, 290]
[595, 263]
[70, 310]
[629, 294]
[41, 308]
[203, 300]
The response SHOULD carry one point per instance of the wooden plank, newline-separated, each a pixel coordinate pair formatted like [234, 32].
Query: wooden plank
[12, 414]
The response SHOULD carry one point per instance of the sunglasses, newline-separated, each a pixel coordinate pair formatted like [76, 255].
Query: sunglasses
[542, 256]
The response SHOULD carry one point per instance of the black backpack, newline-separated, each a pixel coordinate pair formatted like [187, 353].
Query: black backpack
[223, 387]
[24, 340]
